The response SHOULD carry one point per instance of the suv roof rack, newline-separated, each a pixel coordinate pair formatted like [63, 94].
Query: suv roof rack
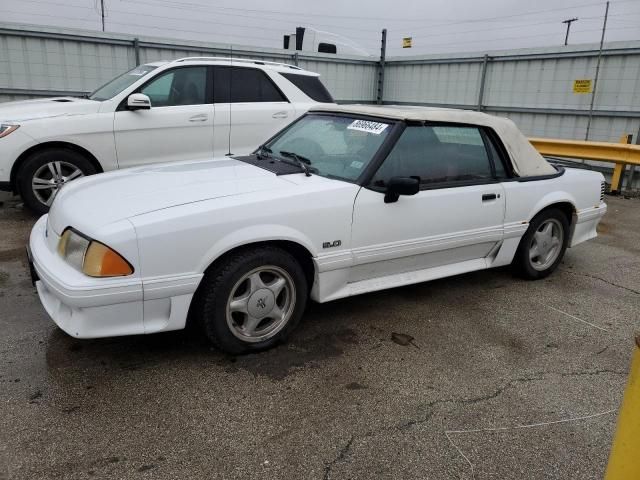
[239, 60]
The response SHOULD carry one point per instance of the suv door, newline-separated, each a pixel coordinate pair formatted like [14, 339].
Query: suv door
[456, 217]
[179, 125]
[249, 109]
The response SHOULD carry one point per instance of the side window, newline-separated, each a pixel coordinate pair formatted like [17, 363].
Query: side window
[221, 85]
[243, 85]
[182, 86]
[327, 48]
[437, 154]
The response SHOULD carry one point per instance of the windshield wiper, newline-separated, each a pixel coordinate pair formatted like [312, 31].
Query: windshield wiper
[303, 162]
[264, 152]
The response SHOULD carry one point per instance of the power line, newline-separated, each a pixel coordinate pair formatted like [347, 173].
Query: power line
[368, 40]
[508, 38]
[182, 4]
[66, 17]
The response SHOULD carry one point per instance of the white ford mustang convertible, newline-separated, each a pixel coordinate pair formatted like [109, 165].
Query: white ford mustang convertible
[346, 200]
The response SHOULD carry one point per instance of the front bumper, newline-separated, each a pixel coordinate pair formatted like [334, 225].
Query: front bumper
[82, 306]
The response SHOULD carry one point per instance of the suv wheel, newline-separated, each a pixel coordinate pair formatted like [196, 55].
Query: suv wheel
[252, 301]
[543, 245]
[44, 173]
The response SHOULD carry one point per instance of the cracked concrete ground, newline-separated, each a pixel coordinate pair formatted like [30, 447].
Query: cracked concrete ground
[481, 374]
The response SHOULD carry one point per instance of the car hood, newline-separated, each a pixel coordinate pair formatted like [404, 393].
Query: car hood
[93, 202]
[26, 110]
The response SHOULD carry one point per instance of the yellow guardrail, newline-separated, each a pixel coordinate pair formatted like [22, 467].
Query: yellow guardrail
[622, 154]
[624, 463]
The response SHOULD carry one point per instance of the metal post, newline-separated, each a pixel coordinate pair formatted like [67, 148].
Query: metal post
[483, 76]
[136, 50]
[623, 457]
[383, 52]
[595, 80]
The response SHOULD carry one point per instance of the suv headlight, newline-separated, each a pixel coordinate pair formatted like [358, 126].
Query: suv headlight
[90, 257]
[6, 129]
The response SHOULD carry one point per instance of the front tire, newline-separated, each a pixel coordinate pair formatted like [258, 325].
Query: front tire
[44, 173]
[252, 300]
[543, 245]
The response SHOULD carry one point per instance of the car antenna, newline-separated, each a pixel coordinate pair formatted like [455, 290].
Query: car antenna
[230, 99]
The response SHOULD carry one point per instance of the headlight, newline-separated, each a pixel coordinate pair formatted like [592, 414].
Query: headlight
[6, 129]
[90, 257]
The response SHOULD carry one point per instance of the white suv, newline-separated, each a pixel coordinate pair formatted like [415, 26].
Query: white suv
[196, 107]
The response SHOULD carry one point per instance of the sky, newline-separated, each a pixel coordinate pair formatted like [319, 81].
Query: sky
[436, 26]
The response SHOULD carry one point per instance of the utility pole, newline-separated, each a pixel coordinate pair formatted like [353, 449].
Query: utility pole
[595, 80]
[102, 13]
[383, 54]
[568, 22]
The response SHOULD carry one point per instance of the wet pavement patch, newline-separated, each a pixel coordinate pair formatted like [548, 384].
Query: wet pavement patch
[402, 339]
[13, 254]
[284, 360]
[355, 386]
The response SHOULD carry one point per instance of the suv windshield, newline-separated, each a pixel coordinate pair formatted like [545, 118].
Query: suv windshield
[118, 84]
[332, 146]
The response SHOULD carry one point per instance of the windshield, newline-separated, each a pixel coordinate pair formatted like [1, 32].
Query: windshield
[118, 84]
[332, 146]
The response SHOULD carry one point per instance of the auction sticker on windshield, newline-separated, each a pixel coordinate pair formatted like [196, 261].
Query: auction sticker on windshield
[366, 126]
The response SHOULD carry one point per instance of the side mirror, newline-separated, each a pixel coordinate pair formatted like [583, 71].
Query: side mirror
[401, 186]
[138, 101]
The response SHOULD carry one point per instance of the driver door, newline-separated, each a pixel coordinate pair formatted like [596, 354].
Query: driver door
[179, 125]
[456, 217]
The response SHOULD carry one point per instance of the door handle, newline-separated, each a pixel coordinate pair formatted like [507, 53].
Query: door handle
[280, 115]
[202, 117]
[489, 196]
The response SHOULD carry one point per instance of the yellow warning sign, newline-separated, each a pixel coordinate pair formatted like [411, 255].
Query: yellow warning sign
[406, 42]
[582, 86]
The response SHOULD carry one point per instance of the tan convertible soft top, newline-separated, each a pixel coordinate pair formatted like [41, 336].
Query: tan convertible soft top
[526, 160]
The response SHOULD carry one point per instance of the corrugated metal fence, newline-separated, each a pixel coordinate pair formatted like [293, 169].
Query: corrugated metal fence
[534, 87]
[37, 61]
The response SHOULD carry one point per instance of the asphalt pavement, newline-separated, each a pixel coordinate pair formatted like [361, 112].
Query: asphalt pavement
[480, 376]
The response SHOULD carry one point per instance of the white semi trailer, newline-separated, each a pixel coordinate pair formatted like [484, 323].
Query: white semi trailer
[312, 40]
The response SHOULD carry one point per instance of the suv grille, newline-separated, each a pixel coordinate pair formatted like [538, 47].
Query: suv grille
[601, 191]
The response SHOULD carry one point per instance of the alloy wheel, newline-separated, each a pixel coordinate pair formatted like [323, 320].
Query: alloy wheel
[261, 304]
[50, 177]
[546, 244]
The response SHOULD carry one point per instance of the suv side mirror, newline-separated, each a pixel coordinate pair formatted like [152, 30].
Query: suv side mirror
[138, 101]
[401, 186]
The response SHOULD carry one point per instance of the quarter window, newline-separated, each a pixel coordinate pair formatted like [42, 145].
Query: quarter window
[438, 155]
[182, 86]
[243, 85]
[498, 162]
[310, 85]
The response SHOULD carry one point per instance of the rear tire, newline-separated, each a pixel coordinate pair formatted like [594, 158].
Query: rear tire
[43, 173]
[252, 300]
[543, 245]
